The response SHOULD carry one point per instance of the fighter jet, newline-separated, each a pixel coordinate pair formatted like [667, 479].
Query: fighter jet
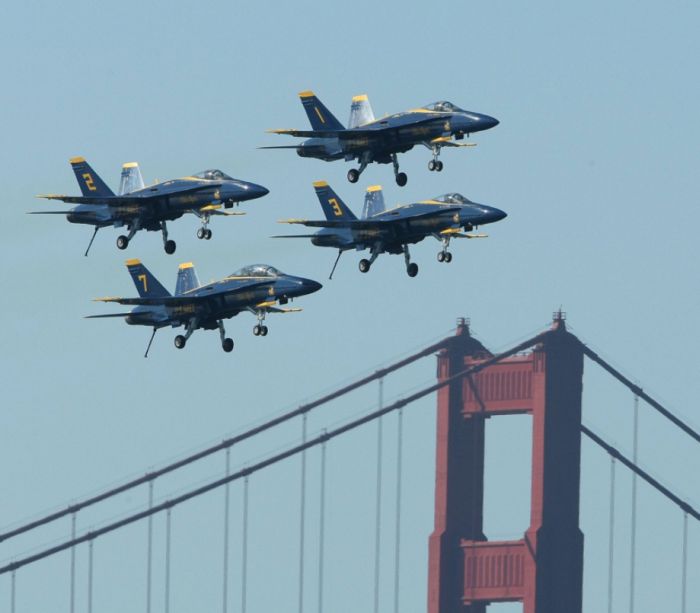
[384, 230]
[367, 139]
[256, 288]
[149, 208]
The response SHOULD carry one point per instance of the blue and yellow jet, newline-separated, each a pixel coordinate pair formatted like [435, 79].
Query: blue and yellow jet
[257, 288]
[149, 208]
[367, 139]
[392, 230]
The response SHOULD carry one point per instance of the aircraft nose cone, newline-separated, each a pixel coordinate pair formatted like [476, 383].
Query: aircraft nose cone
[488, 122]
[311, 286]
[493, 214]
[257, 191]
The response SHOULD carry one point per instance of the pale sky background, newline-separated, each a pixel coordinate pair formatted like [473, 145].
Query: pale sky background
[595, 161]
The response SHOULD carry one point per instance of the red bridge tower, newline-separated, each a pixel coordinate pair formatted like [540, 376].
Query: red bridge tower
[544, 569]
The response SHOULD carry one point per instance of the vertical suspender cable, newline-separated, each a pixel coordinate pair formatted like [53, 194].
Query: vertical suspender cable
[224, 596]
[244, 548]
[321, 526]
[397, 549]
[149, 549]
[611, 535]
[302, 516]
[12, 592]
[378, 511]
[72, 565]
[90, 567]
[167, 559]
[684, 568]
[633, 538]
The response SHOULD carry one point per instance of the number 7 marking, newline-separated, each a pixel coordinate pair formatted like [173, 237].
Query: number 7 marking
[143, 280]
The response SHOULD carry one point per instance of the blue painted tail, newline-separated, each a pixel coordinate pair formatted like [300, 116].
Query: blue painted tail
[146, 284]
[89, 181]
[319, 116]
[333, 206]
[186, 279]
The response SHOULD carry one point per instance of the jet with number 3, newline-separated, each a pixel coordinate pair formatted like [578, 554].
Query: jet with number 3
[384, 230]
[257, 288]
[138, 207]
[368, 140]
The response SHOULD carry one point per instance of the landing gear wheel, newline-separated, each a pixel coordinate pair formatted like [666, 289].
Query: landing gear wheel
[263, 330]
[169, 247]
[441, 256]
[227, 345]
[431, 165]
[448, 257]
[201, 233]
[180, 341]
[122, 242]
[353, 175]
[364, 265]
[256, 330]
[438, 166]
[412, 269]
[401, 179]
[207, 234]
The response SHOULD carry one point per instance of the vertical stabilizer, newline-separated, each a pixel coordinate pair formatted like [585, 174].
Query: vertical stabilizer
[360, 112]
[374, 201]
[186, 279]
[131, 179]
[333, 207]
[319, 116]
[146, 284]
[90, 182]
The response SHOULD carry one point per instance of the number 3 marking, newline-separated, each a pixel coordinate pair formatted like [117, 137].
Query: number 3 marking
[336, 207]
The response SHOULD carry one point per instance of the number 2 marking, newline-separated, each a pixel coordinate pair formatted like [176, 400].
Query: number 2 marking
[90, 182]
[142, 278]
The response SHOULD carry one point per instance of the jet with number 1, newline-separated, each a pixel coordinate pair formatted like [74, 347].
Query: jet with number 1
[257, 288]
[149, 208]
[384, 230]
[367, 139]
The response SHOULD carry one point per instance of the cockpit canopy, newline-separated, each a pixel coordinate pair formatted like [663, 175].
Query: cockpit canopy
[443, 106]
[453, 198]
[213, 174]
[257, 270]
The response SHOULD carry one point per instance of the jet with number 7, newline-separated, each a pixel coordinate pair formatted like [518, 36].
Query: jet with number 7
[149, 208]
[368, 140]
[392, 230]
[257, 288]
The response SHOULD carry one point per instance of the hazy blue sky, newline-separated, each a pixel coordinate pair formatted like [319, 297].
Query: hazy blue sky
[595, 161]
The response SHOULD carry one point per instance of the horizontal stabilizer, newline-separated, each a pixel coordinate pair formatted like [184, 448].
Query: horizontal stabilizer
[281, 147]
[108, 315]
[294, 236]
[49, 212]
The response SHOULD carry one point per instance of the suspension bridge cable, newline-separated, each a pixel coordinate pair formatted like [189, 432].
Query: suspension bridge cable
[378, 509]
[686, 507]
[91, 545]
[302, 514]
[224, 605]
[301, 410]
[638, 391]
[633, 527]
[684, 567]
[149, 550]
[72, 565]
[168, 521]
[244, 549]
[352, 425]
[611, 535]
[321, 526]
[399, 475]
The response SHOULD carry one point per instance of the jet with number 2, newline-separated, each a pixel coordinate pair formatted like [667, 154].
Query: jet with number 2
[257, 288]
[384, 230]
[149, 208]
[367, 139]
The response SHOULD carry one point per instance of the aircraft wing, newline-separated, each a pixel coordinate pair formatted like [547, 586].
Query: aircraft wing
[364, 224]
[124, 200]
[376, 129]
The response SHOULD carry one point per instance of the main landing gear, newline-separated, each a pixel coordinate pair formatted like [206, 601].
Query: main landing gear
[364, 264]
[411, 267]
[168, 245]
[180, 340]
[260, 329]
[435, 164]
[226, 343]
[401, 178]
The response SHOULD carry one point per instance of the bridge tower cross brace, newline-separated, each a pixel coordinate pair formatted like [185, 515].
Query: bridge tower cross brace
[544, 569]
